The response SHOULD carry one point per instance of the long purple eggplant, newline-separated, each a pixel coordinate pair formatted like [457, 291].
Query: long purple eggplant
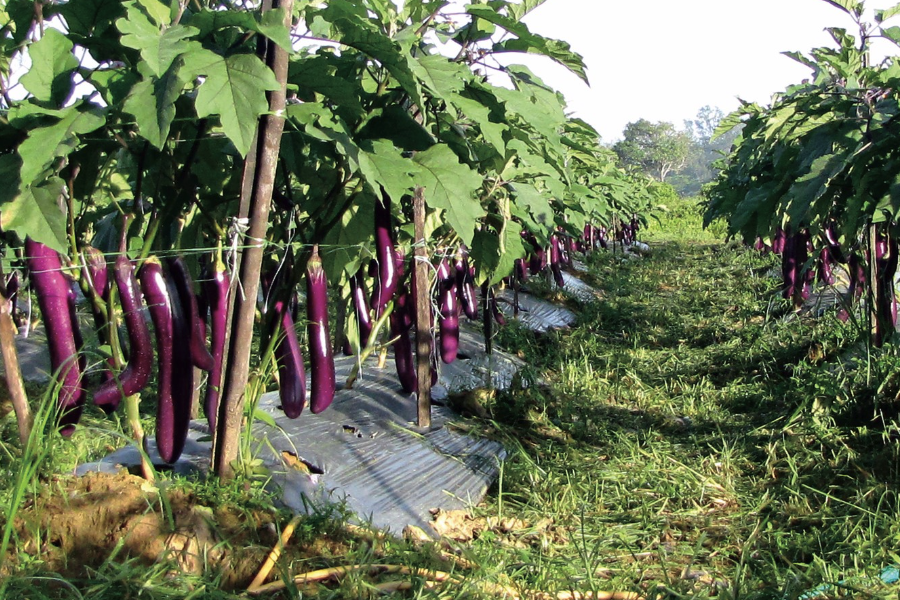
[289, 358]
[805, 276]
[140, 358]
[97, 272]
[555, 261]
[495, 309]
[824, 264]
[465, 286]
[53, 290]
[215, 291]
[779, 242]
[321, 358]
[885, 302]
[361, 308]
[834, 245]
[449, 315]
[401, 321]
[175, 377]
[12, 293]
[386, 255]
[181, 277]
[788, 268]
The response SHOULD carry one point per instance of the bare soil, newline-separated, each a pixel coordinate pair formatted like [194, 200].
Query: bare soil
[79, 523]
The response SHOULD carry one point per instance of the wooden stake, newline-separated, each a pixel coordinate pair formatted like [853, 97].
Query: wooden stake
[424, 340]
[515, 286]
[271, 125]
[11, 362]
[872, 297]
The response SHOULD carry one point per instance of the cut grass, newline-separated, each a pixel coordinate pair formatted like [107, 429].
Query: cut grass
[687, 441]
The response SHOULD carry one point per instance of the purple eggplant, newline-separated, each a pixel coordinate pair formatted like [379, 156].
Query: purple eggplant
[289, 358]
[465, 286]
[555, 261]
[321, 358]
[12, 294]
[401, 321]
[885, 303]
[834, 244]
[175, 375]
[215, 292]
[140, 357]
[54, 290]
[824, 264]
[495, 309]
[97, 272]
[361, 308]
[449, 312]
[779, 242]
[386, 255]
[519, 272]
[181, 277]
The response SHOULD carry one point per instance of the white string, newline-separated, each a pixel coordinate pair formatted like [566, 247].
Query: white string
[236, 230]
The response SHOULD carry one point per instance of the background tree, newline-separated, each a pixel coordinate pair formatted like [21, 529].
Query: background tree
[704, 151]
[657, 149]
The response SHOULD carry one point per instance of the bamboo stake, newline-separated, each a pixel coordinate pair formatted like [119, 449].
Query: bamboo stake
[423, 322]
[433, 579]
[271, 126]
[11, 362]
[274, 555]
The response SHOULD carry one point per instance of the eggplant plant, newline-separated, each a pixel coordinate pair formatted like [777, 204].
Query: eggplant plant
[157, 128]
[820, 161]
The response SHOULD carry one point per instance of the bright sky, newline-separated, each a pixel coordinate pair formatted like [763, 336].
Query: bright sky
[662, 60]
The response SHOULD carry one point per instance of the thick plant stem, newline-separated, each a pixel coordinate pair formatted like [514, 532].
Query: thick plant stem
[268, 136]
[133, 416]
[487, 318]
[13, 372]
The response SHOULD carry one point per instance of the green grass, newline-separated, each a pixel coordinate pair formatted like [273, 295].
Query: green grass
[688, 439]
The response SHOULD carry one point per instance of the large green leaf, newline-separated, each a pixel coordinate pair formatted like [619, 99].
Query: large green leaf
[440, 75]
[396, 124]
[346, 242]
[317, 74]
[528, 42]
[35, 212]
[479, 115]
[519, 10]
[385, 166]
[159, 46]
[50, 77]
[538, 106]
[851, 7]
[45, 144]
[531, 206]
[883, 15]
[152, 102]
[270, 24]
[495, 253]
[451, 186]
[353, 27]
[235, 89]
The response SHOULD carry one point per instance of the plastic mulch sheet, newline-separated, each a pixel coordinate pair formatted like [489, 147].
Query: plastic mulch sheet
[534, 313]
[365, 451]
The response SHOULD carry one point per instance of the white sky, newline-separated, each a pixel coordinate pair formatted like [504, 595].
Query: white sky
[662, 60]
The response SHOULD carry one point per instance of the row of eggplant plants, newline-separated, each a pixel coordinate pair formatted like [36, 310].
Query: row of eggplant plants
[145, 128]
[813, 175]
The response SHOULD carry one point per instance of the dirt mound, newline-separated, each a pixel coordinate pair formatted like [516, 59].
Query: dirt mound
[79, 523]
